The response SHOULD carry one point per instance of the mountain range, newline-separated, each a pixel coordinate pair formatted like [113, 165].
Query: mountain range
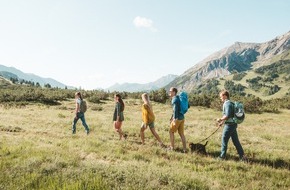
[11, 72]
[222, 65]
[136, 87]
[239, 57]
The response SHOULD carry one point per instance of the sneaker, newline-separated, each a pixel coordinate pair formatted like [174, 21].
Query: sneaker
[169, 148]
[184, 151]
[220, 158]
[88, 131]
[125, 136]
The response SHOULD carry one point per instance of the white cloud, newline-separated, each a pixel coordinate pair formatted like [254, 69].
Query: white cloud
[142, 22]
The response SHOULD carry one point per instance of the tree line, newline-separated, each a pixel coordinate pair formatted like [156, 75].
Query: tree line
[22, 94]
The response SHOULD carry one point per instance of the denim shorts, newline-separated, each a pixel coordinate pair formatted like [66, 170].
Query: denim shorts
[151, 125]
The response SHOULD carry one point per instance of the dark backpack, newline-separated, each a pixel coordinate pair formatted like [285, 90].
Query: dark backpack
[239, 113]
[183, 102]
[83, 106]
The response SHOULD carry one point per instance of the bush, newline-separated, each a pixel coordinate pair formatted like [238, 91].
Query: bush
[239, 76]
[97, 108]
[158, 95]
[94, 99]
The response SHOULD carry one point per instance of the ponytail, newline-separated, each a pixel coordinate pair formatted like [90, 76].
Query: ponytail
[79, 94]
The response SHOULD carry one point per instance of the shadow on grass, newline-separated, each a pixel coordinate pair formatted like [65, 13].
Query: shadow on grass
[275, 163]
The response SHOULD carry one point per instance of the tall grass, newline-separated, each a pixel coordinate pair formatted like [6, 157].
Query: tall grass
[38, 151]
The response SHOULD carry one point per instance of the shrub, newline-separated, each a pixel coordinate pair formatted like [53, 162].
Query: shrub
[96, 108]
[239, 76]
[158, 95]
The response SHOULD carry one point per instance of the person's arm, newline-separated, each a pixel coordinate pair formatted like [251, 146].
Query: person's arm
[226, 115]
[222, 119]
[118, 111]
[77, 108]
[175, 110]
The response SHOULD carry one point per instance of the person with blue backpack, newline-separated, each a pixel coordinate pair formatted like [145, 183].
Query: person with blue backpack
[177, 119]
[230, 127]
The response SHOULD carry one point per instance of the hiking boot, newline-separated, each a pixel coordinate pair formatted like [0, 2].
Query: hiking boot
[244, 159]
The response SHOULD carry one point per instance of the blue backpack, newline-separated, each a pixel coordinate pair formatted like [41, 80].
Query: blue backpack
[183, 102]
[239, 113]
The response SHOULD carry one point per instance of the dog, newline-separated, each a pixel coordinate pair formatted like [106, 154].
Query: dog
[199, 148]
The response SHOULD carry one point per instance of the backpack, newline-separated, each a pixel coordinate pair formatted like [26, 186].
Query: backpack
[83, 106]
[239, 113]
[183, 102]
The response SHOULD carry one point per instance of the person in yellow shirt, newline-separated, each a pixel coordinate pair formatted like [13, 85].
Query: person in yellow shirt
[148, 119]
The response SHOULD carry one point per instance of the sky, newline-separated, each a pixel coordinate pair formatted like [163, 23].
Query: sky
[92, 44]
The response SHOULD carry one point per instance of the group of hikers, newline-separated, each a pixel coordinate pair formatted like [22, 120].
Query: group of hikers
[176, 121]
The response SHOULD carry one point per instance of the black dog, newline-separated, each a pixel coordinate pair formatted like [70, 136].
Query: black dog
[199, 148]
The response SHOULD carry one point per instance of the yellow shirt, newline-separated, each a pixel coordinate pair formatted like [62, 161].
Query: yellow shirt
[147, 114]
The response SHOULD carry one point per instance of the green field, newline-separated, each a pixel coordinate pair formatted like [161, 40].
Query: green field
[38, 151]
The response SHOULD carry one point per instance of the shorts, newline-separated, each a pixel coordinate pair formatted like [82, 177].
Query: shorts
[151, 125]
[179, 126]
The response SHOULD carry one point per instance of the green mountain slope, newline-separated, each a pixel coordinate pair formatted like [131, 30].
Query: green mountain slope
[259, 69]
[262, 81]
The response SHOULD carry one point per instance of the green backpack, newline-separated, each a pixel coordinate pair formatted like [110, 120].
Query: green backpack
[239, 113]
[83, 106]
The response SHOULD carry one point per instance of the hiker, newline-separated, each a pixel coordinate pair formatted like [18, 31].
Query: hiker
[176, 120]
[230, 127]
[79, 114]
[118, 116]
[148, 119]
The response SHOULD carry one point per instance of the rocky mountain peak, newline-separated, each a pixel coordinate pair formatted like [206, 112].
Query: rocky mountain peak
[235, 58]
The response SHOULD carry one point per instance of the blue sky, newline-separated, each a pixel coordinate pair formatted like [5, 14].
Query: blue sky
[97, 43]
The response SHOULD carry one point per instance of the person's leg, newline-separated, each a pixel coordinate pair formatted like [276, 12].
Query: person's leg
[181, 134]
[119, 130]
[74, 124]
[120, 133]
[82, 117]
[172, 130]
[152, 129]
[236, 142]
[171, 134]
[142, 134]
[117, 127]
[225, 139]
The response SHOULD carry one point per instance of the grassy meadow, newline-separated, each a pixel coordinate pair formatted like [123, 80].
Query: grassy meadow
[38, 150]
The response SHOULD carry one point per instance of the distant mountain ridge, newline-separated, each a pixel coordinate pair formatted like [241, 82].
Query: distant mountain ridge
[235, 58]
[8, 72]
[136, 87]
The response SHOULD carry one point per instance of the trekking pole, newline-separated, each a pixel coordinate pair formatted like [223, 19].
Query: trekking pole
[218, 125]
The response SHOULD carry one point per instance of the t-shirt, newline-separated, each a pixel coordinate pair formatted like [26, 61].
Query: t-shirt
[228, 110]
[79, 101]
[147, 114]
[176, 108]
